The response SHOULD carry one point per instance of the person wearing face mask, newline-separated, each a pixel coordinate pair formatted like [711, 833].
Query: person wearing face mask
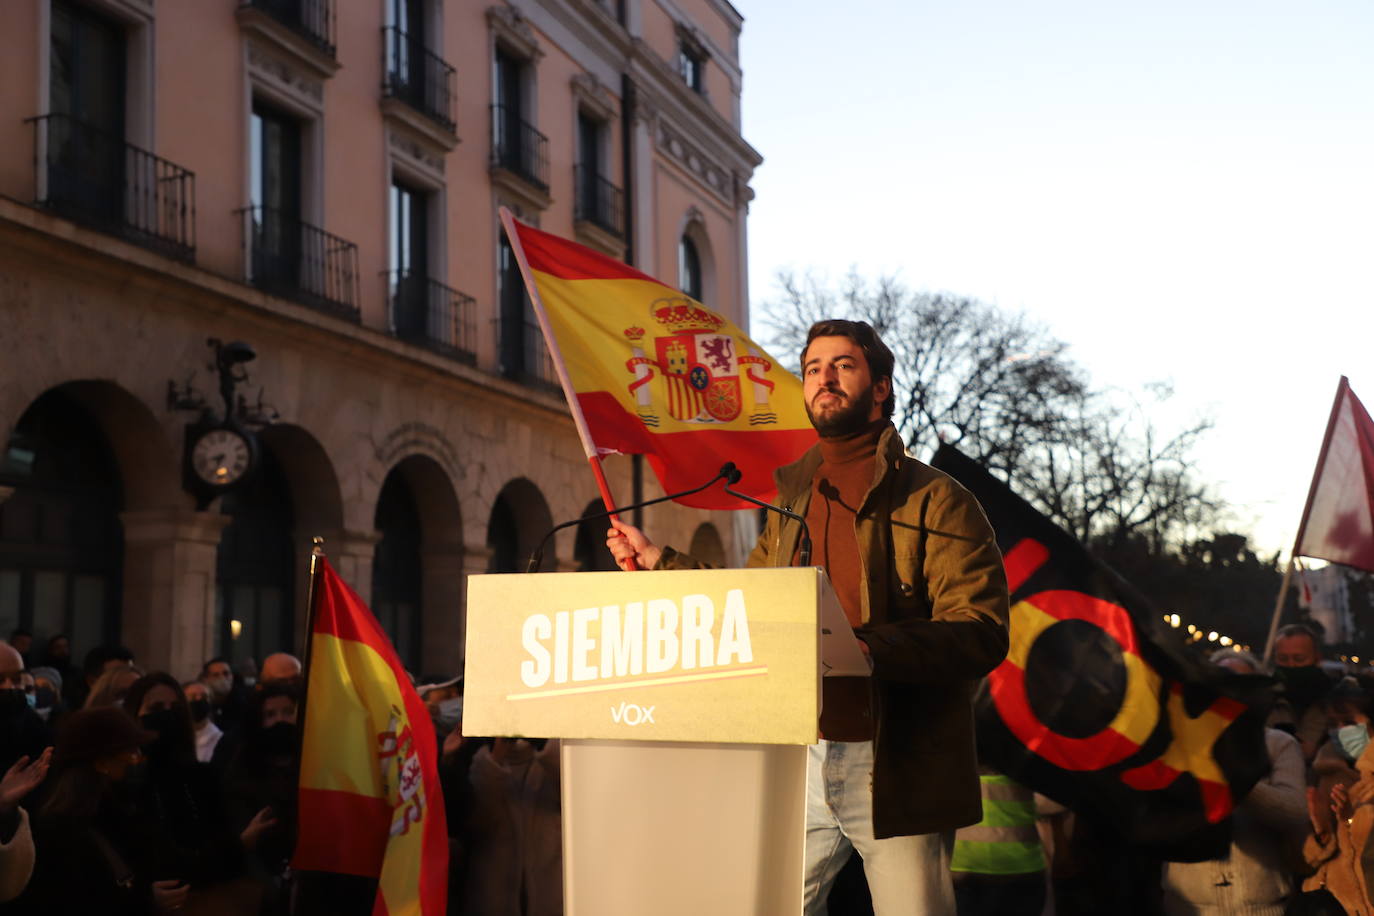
[180, 794]
[1341, 810]
[97, 852]
[22, 732]
[1303, 687]
[48, 694]
[260, 790]
[202, 718]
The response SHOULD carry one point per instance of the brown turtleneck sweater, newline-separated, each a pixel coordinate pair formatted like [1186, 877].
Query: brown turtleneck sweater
[839, 487]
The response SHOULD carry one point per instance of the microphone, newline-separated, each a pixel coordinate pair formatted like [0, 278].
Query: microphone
[727, 472]
[803, 548]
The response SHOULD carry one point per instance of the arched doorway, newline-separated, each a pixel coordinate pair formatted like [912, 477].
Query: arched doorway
[707, 545]
[61, 542]
[519, 519]
[255, 573]
[417, 567]
[589, 551]
[397, 572]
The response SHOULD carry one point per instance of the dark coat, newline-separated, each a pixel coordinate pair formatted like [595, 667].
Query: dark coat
[935, 612]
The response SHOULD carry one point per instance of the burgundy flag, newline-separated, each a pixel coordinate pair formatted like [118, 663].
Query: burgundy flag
[1339, 522]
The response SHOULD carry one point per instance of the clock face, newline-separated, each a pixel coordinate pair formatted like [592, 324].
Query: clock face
[221, 457]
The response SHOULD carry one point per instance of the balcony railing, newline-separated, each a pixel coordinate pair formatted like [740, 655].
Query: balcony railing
[598, 201]
[518, 148]
[313, 20]
[523, 355]
[296, 260]
[93, 177]
[417, 76]
[428, 313]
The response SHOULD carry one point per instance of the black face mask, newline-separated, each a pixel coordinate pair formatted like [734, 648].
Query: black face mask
[172, 733]
[1304, 684]
[200, 710]
[279, 738]
[13, 704]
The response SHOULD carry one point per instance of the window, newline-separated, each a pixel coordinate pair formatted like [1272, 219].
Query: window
[86, 78]
[517, 315]
[86, 68]
[690, 64]
[689, 268]
[409, 261]
[275, 197]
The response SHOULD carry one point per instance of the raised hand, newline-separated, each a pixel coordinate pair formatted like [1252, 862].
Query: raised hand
[23, 778]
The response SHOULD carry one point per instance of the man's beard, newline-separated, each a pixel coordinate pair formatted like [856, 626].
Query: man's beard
[845, 420]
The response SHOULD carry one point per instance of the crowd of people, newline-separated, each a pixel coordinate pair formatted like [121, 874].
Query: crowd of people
[131, 792]
[127, 791]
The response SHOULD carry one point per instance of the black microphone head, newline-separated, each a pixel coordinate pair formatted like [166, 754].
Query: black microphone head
[732, 473]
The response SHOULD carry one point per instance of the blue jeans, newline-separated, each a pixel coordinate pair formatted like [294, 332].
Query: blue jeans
[907, 875]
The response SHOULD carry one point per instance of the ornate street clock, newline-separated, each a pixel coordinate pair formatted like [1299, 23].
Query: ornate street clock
[218, 457]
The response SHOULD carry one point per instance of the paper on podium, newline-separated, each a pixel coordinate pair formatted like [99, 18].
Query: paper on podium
[840, 652]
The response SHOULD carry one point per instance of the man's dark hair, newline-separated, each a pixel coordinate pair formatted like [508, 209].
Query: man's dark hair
[217, 660]
[879, 357]
[95, 660]
[20, 631]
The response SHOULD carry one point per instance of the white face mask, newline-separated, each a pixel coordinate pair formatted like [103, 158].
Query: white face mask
[219, 686]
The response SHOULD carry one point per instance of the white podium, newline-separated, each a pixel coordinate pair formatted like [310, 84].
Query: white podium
[685, 701]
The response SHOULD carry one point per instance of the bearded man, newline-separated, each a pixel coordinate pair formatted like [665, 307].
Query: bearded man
[916, 568]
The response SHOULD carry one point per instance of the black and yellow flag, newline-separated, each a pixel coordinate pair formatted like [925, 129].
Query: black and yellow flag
[1098, 705]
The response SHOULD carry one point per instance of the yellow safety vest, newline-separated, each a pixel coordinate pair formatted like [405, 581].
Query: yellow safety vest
[1005, 841]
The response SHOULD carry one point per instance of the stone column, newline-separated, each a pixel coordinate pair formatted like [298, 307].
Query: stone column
[475, 561]
[169, 587]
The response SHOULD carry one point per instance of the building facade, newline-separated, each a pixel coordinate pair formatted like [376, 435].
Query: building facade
[320, 180]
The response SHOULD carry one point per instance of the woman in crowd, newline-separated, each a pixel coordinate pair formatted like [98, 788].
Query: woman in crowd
[260, 790]
[97, 852]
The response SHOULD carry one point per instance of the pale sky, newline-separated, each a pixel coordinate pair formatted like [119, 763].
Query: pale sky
[1180, 191]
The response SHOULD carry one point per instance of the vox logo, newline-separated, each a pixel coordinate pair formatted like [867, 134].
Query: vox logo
[631, 714]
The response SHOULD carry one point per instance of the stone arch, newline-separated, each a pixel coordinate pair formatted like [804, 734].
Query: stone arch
[311, 485]
[519, 518]
[438, 647]
[707, 545]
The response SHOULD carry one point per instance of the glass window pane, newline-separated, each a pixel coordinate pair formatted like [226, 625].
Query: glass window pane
[9, 601]
[49, 602]
[88, 615]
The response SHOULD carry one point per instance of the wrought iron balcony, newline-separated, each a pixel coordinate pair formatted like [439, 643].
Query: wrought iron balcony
[296, 260]
[428, 313]
[518, 148]
[95, 178]
[313, 20]
[523, 355]
[598, 201]
[417, 76]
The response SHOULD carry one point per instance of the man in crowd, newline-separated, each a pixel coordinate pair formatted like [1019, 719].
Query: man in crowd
[1297, 666]
[22, 732]
[202, 719]
[917, 571]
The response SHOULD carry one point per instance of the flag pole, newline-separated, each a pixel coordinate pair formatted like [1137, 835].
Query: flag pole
[559, 365]
[1306, 513]
[312, 598]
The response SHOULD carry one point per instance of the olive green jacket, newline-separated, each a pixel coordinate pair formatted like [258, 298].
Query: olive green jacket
[935, 620]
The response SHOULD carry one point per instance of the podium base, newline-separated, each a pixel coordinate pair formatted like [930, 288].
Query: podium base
[670, 828]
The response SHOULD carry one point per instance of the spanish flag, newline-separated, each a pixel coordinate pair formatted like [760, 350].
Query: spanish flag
[649, 371]
[369, 802]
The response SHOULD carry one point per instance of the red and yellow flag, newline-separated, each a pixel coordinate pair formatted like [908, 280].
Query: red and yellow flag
[369, 802]
[656, 373]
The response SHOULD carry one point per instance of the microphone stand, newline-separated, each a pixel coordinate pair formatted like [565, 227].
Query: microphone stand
[804, 547]
[727, 472]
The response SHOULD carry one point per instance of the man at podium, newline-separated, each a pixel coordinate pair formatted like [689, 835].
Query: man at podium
[916, 569]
